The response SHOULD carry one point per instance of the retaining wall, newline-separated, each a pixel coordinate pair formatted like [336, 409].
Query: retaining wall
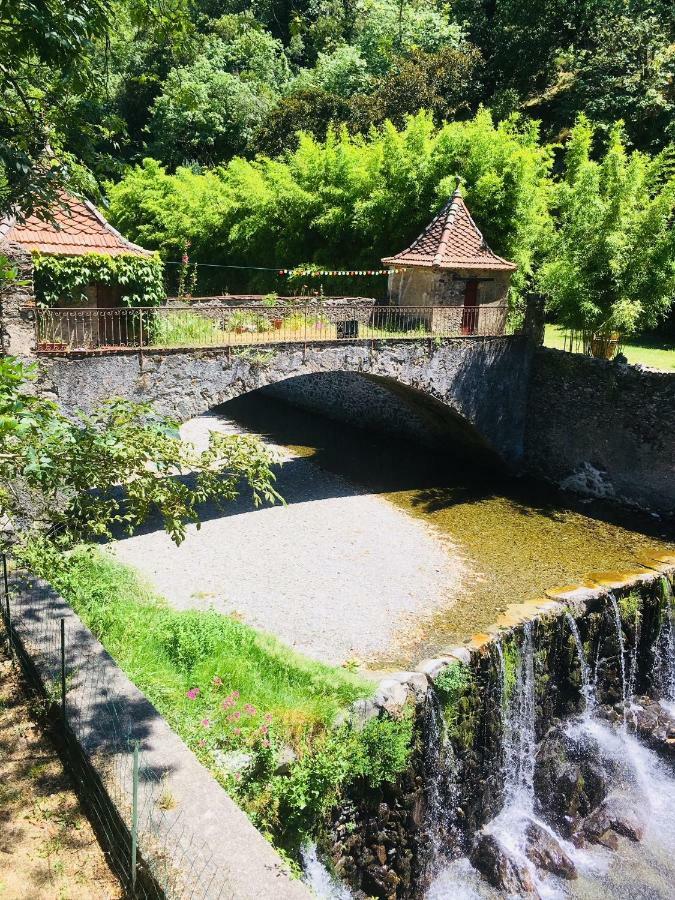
[603, 429]
[193, 840]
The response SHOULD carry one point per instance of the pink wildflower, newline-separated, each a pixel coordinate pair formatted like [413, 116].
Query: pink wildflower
[236, 731]
[265, 743]
[250, 709]
[234, 716]
[217, 681]
[268, 717]
[201, 742]
[205, 723]
[193, 693]
[264, 729]
[235, 695]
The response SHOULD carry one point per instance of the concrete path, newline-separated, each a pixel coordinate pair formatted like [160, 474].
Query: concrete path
[336, 573]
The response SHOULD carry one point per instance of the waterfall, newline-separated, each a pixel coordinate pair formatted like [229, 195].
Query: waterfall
[664, 656]
[587, 684]
[442, 790]
[317, 877]
[620, 641]
[520, 737]
[633, 667]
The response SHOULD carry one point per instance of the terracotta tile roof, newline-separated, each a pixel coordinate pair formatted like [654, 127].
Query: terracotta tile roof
[79, 228]
[450, 241]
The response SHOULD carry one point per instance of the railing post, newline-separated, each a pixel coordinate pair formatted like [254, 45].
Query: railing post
[8, 621]
[63, 670]
[134, 818]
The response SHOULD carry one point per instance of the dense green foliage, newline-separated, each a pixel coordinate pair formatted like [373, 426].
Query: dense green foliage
[202, 88]
[48, 60]
[612, 262]
[105, 82]
[226, 687]
[66, 278]
[347, 199]
[60, 477]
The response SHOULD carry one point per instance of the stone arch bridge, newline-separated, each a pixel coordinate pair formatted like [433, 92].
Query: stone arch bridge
[469, 391]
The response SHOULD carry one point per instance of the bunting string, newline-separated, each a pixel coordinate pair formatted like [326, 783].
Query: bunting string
[333, 273]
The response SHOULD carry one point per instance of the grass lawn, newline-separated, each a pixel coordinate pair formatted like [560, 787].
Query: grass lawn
[227, 688]
[638, 352]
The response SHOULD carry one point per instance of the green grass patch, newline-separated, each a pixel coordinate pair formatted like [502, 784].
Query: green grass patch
[638, 352]
[227, 688]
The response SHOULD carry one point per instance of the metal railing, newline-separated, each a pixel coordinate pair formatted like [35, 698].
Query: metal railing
[162, 328]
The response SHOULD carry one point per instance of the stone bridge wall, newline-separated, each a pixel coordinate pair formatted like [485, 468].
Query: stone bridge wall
[603, 429]
[475, 386]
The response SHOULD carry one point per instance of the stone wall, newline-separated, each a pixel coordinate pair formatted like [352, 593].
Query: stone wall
[440, 287]
[384, 842]
[478, 385]
[603, 429]
[17, 328]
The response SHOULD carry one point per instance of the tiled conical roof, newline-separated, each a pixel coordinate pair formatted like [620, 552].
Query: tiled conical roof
[450, 241]
[77, 228]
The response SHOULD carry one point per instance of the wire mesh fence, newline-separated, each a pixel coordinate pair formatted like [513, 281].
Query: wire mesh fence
[107, 732]
[161, 328]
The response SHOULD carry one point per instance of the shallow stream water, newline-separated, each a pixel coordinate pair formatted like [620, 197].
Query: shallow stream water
[518, 538]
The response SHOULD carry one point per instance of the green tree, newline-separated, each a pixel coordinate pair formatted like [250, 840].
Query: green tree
[72, 479]
[611, 265]
[45, 57]
[204, 114]
[628, 73]
[347, 201]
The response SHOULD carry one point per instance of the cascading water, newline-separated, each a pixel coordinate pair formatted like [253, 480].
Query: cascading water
[616, 616]
[317, 877]
[664, 657]
[442, 792]
[637, 871]
[587, 682]
[520, 736]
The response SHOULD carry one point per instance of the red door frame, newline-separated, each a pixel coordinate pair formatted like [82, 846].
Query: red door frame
[470, 309]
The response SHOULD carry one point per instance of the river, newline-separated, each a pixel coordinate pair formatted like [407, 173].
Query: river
[517, 538]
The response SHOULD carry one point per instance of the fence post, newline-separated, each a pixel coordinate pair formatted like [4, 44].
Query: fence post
[63, 670]
[134, 819]
[8, 621]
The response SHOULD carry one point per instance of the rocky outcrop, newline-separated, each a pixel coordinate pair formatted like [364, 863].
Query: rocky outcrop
[546, 852]
[500, 867]
[614, 814]
[570, 779]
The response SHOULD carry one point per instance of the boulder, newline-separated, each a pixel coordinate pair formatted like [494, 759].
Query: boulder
[285, 757]
[570, 779]
[546, 852]
[499, 867]
[614, 814]
[654, 724]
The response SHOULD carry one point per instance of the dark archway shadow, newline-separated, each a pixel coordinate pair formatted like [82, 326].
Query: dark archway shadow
[461, 469]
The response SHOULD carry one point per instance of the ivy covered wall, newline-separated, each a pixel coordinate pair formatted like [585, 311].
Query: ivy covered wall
[66, 278]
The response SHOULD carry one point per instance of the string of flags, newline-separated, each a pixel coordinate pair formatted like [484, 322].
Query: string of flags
[319, 273]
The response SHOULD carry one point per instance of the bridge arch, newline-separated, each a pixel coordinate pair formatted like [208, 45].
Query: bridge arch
[474, 386]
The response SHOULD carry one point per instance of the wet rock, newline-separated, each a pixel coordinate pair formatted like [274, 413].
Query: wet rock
[654, 724]
[570, 779]
[498, 866]
[546, 852]
[615, 814]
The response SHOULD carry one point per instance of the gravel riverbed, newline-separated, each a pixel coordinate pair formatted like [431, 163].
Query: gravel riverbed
[336, 573]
